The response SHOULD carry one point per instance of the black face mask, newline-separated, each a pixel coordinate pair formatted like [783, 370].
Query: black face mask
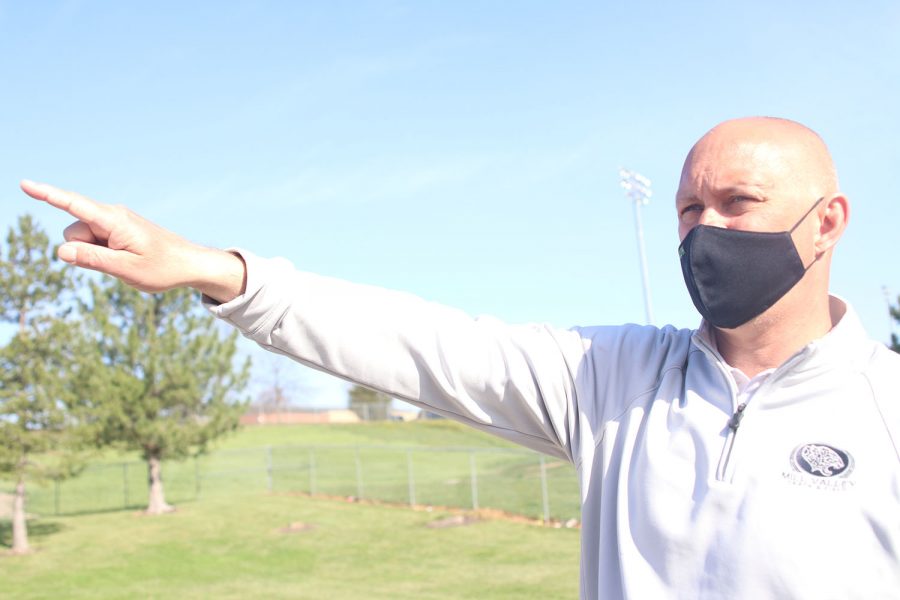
[734, 276]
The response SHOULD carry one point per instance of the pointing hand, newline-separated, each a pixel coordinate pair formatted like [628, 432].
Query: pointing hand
[119, 242]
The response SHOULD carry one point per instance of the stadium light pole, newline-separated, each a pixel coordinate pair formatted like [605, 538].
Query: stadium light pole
[637, 189]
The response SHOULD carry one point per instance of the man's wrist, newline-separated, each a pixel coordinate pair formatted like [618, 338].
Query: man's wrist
[222, 275]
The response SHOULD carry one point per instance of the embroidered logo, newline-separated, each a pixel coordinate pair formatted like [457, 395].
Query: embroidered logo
[822, 460]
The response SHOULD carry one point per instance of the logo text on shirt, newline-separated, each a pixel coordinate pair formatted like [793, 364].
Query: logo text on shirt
[820, 466]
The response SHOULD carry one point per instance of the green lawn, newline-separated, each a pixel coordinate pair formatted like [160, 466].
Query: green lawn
[91, 540]
[413, 433]
[369, 460]
[230, 547]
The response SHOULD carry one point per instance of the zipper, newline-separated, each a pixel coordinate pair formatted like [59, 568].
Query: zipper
[736, 417]
[735, 420]
[733, 423]
[740, 408]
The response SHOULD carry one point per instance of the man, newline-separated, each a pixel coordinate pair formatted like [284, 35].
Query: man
[756, 457]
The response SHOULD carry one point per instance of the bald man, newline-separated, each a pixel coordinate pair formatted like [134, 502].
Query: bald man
[755, 457]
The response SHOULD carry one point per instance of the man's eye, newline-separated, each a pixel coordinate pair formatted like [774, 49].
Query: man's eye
[691, 208]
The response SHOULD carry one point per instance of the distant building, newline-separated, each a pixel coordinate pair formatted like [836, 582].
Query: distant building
[428, 415]
[304, 416]
[297, 417]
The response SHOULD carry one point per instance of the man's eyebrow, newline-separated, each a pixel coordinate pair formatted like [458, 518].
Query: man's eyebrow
[685, 198]
[744, 187]
[738, 189]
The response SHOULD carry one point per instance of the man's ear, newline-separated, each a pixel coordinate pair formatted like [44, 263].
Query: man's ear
[833, 218]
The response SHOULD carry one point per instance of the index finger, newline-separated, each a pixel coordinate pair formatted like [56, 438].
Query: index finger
[93, 213]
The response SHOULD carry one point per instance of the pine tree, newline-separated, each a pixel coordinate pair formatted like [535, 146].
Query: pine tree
[166, 383]
[368, 404]
[37, 369]
[895, 313]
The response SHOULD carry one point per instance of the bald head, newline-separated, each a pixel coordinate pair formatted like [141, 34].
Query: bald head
[765, 170]
[763, 174]
[772, 151]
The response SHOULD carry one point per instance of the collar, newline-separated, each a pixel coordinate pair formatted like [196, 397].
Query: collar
[746, 386]
[836, 346]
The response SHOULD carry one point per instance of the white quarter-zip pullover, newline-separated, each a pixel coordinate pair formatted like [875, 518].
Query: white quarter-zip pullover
[686, 492]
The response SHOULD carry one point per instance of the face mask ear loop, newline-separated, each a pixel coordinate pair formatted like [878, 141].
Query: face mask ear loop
[806, 214]
[809, 266]
[797, 224]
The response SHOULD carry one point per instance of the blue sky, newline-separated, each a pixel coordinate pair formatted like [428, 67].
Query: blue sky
[467, 151]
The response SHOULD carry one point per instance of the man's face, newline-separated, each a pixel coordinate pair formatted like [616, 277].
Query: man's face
[750, 177]
[736, 185]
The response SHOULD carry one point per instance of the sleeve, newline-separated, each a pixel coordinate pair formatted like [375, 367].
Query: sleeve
[513, 381]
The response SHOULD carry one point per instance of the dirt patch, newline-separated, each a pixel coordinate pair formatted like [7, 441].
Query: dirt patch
[297, 527]
[452, 521]
[482, 514]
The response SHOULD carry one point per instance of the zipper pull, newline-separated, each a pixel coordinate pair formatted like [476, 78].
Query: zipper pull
[735, 421]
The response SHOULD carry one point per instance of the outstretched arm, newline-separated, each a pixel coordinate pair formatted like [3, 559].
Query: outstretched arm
[516, 382]
[117, 241]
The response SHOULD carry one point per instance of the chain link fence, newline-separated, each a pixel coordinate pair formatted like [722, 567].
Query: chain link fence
[515, 481]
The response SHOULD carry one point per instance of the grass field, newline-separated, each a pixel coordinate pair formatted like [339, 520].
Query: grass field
[225, 541]
[369, 460]
[414, 433]
[233, 548]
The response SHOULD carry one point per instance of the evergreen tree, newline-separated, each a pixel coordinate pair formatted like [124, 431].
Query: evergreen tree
[166, 381]
[368, 404]
[895, 313]
[37, 369]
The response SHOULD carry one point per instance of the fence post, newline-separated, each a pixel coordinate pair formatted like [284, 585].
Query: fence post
[474, 475]
[312, 472]
[196, 477]
[359, 478]
[56, 496]
[410, 478]
[269, 467]
[125, 485]
[545, 498]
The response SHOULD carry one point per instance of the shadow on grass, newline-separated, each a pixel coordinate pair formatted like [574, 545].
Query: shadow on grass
[36, 530]
[136, 507]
